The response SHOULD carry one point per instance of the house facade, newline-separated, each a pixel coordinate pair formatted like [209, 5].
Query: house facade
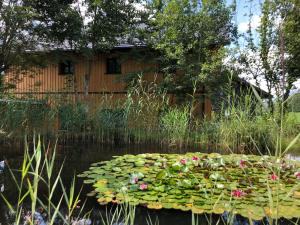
[80, 79]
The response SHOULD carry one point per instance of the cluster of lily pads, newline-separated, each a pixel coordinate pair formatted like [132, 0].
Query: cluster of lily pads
[252, 186]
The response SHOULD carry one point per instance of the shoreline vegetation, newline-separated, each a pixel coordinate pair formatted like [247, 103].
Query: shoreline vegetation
[242, 124]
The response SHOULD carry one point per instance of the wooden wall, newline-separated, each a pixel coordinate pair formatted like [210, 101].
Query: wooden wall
[48, 80]
[42, 82]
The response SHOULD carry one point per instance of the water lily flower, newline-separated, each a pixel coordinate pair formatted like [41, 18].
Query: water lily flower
[297, 174]
[243, 163]
[144, 187]
[195, 158]
[134, 179]
[238, 193]
[274, 177]
[183, 161]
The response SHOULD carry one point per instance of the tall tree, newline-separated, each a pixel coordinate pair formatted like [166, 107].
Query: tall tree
[33, 26]
[291, 39]
[191, 37]
[274, 58]
[16, 28]
[107, 23]
[87, 26]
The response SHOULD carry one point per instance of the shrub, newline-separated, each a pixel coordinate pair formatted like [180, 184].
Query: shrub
[73, 117]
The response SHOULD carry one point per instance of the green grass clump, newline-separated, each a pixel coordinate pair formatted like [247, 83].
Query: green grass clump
[38, 170]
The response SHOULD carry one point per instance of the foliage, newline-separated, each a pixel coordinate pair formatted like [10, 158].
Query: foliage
[291, 27]
[294, 103]
[59, 22]
[31, 25]
[15, 23]
[190, 36]
[144, 103]
[24, 115]
[111, 119]
[110, 22]
[73, 117]
[212, 183]
[175, 124]
[272, 58]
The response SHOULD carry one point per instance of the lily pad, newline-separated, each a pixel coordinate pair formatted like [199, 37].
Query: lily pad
[202, 183]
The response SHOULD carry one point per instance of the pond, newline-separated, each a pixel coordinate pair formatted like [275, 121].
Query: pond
[78, 158]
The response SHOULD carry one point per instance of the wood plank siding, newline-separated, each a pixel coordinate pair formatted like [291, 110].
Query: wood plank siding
[47, 81]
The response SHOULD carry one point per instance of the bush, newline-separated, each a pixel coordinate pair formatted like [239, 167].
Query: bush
[73, 117]
[23, 115]
[110, 119]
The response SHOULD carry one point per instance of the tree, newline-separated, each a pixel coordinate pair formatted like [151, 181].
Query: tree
[191, 37]
[30, 27]
[85, 26]
[57, 23]
[291, 32]
[274, 59]
[16, 28]
[107, 23]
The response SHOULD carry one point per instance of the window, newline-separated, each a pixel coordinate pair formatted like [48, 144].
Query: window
[66, 67]
[113, 66]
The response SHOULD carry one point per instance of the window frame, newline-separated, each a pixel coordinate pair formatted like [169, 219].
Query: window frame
[117, 67]
[62, 68]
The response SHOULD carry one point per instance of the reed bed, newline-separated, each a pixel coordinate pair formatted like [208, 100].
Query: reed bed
[242, 124]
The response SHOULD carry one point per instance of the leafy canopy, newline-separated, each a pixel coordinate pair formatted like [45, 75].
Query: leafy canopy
[191, 35]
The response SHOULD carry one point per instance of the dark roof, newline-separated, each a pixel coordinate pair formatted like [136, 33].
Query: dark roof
[261, 92]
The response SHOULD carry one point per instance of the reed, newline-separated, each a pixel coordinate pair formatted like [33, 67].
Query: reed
[242, 125]
[37, 171]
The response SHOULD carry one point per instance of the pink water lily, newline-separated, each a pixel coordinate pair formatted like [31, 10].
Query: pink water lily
[297, 174]
[274, 177]
[183, 161]
[238, 193]
[243, 163]
[144, 187]
[195, 158]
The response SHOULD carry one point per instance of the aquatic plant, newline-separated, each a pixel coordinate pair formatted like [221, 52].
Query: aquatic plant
[37, 171]
[202, 183]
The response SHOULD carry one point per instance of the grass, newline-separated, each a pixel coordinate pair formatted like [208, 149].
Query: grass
[295, 116]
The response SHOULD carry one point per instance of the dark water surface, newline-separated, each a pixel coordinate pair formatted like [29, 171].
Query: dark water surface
[77, 158]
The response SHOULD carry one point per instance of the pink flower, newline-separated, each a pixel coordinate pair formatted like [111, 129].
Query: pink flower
[238, 193]
[183, 161]
[297, 174]
[135, 179]
[143, 187]
[274, 177]
[195, 158]
[243, 163]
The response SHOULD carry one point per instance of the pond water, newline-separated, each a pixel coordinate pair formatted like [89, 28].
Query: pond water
[77, 158]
